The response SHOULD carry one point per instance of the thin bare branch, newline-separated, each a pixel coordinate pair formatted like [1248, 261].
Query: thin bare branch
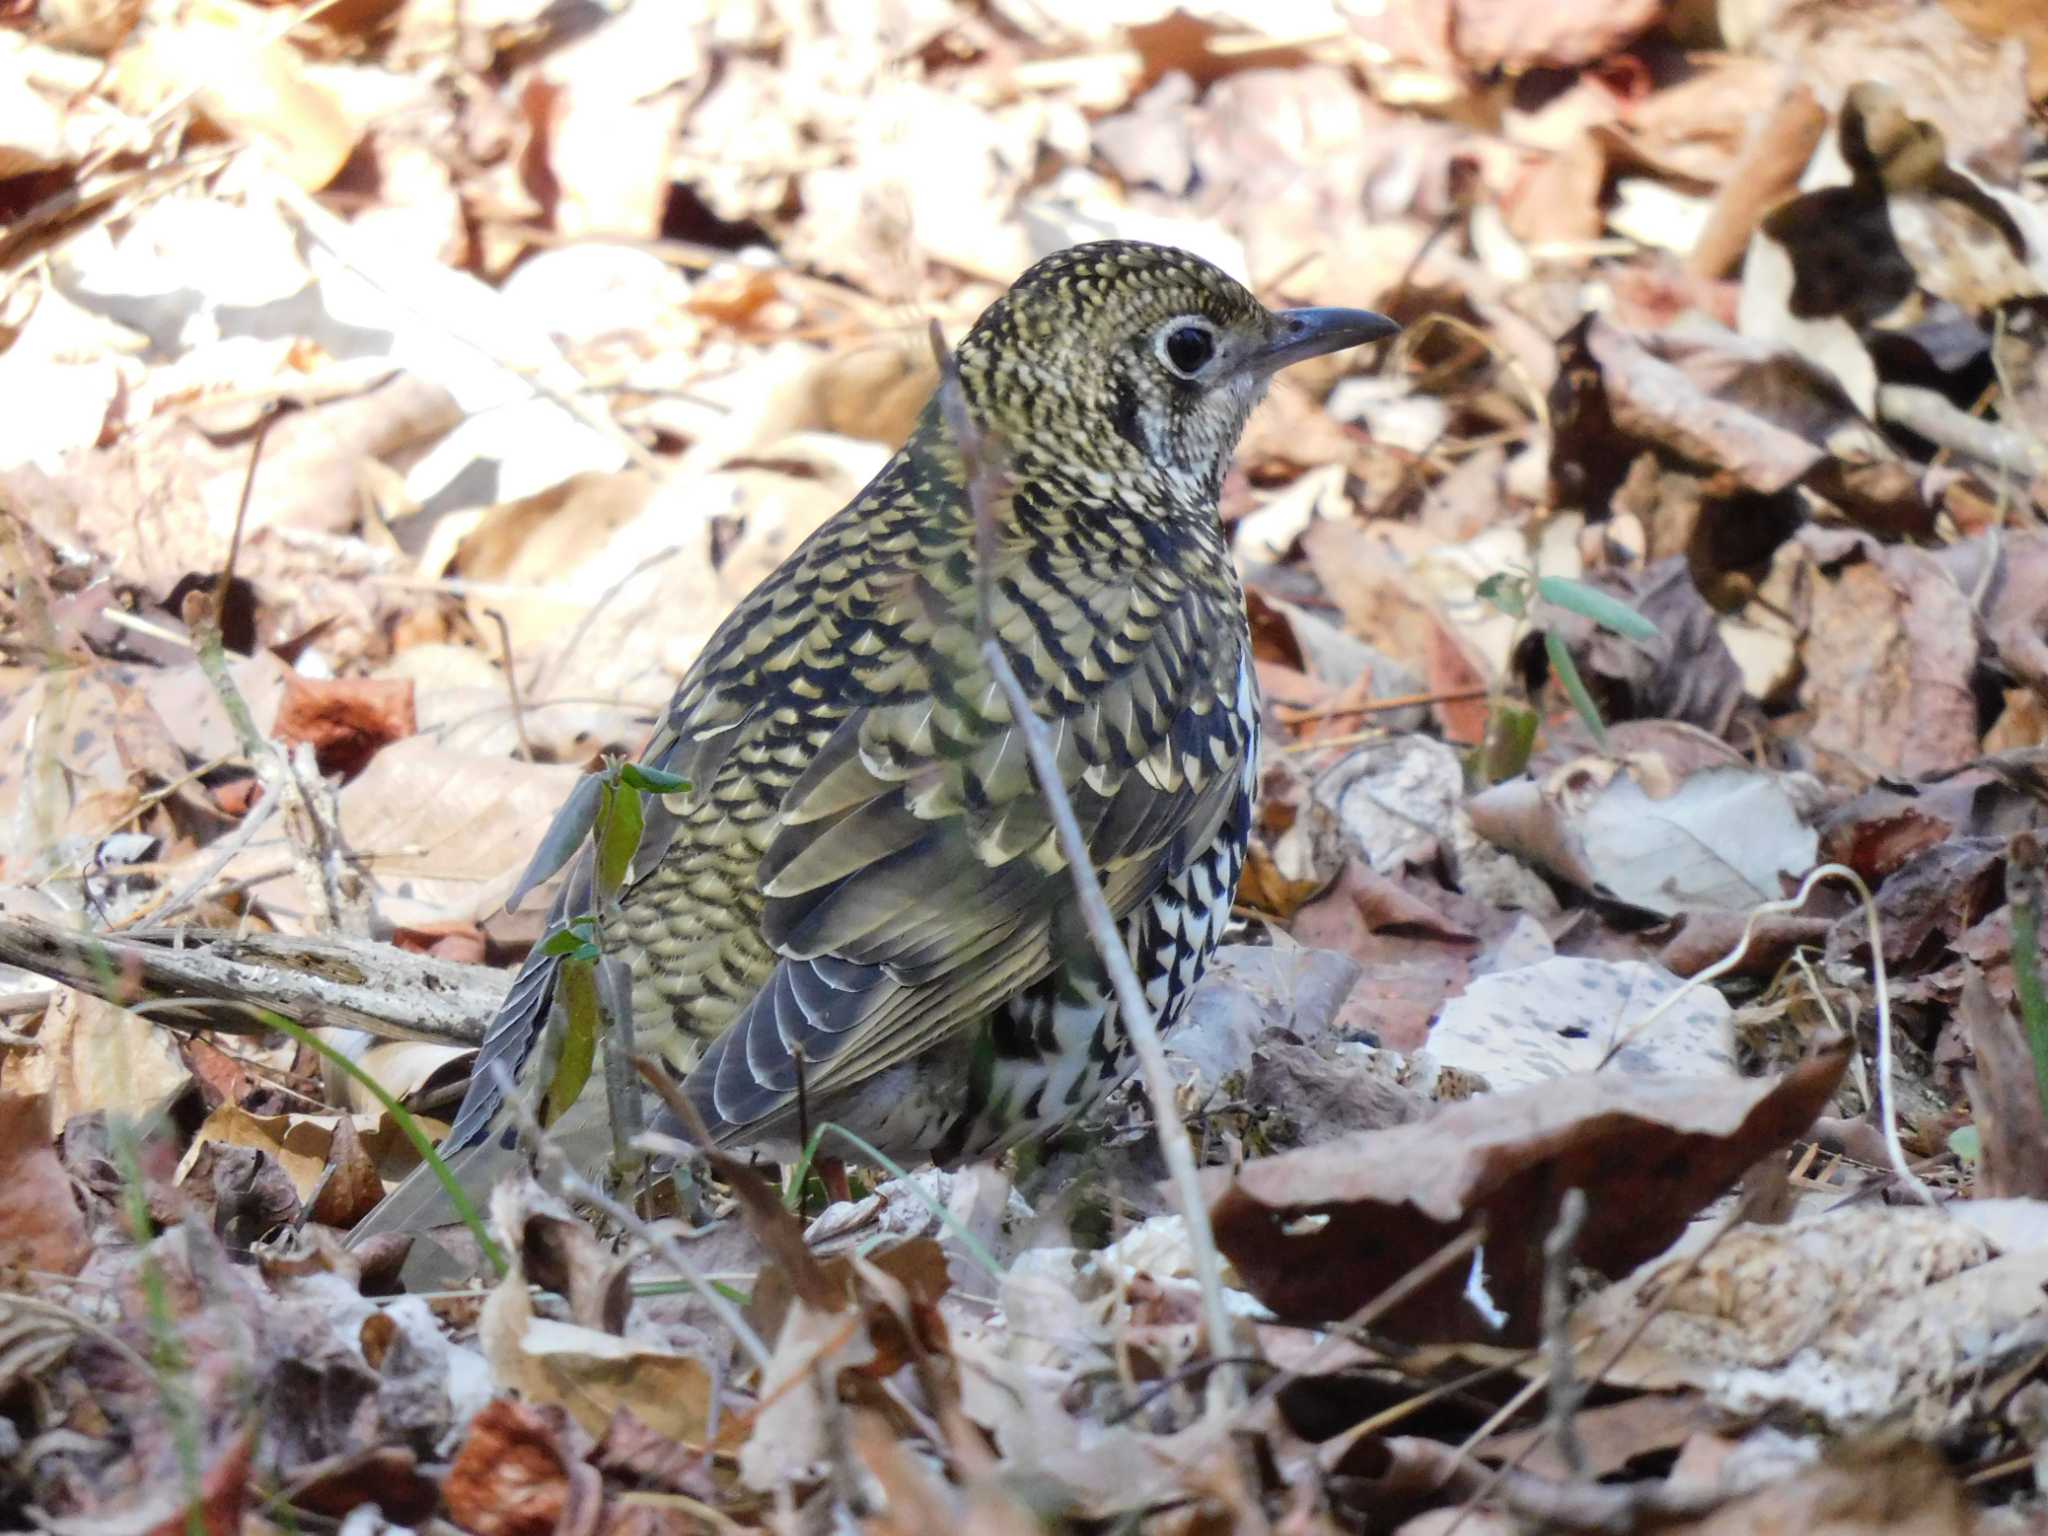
[981, 459]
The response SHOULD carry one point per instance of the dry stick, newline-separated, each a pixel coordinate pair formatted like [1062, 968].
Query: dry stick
[2007, 449]
[1290, 716]
[512, 682]
[222, 853]
[1565, 1392]
[983, 490]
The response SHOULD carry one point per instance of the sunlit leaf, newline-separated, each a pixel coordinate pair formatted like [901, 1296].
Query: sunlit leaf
[1510, 738]
[625, 816]
[1592, 604]
[1506, 591]
[579, 1039]
[655, 781]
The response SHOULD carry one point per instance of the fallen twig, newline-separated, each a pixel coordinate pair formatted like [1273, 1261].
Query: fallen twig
[1566, 1393]
[331, 982]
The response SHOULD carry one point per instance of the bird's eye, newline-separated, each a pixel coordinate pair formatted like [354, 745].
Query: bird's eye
[1187, 348]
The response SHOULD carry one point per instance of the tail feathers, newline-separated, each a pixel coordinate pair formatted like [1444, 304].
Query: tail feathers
[583, 1136]
[508, 1043]
[471, 1148]
[420, 1202]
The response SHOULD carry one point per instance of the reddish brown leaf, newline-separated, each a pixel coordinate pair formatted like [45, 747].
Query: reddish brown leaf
[40, 1223]
[345, 719]
[223, 1493]
[512, 1476]
[385, 1475]
[351, 1186]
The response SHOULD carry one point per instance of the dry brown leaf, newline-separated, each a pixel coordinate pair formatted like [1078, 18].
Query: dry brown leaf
[588, 1372]
[1611, 1436]
[1668, 819]
[1316, 1234]
[350, 1186]
[1890, 657]
[449, 833]
[604, 110]
[249, 82]
[91, 1055]
[1869, 1489]
[301, 1144]
[41, 1226]
[345, 719]
[1856, 1318]
[514, 1476]
[1514, 36]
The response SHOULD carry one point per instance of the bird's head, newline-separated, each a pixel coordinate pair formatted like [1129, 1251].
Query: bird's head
[1131, 362]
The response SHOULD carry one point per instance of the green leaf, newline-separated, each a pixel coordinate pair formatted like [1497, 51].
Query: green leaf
[1506, 590]
[653, 781]
[565, 834]
[1591, 603]
[2023, 879]
[1966, 1143]
[1574, 685]
[577, 939]
[579, 1039]
[618, 837]
[1510, 738]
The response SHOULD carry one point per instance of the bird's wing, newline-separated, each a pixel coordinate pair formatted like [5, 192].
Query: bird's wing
[914, 881]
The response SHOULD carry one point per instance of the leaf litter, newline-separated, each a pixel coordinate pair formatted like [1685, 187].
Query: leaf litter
[481, 358]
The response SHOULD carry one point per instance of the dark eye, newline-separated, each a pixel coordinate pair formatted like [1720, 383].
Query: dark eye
[1188, 347]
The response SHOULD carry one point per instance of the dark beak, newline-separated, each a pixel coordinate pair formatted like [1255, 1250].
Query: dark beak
[1306, 333]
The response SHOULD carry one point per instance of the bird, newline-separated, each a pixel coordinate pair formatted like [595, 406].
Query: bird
[860, 912]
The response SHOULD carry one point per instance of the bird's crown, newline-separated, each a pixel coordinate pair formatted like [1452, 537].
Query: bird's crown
[1130, 364]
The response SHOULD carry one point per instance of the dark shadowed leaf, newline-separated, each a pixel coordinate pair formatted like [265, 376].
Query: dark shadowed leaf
[1315, 1234]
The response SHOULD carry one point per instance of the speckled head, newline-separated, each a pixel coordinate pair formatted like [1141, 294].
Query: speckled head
[1138, 364]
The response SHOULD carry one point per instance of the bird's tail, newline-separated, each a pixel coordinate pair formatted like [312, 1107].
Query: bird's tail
[480, 1146]
[421, 1202]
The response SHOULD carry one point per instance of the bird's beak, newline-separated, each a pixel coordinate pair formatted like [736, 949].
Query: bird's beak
[1306, 333]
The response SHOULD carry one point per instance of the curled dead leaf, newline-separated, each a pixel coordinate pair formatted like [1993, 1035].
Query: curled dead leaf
[1317, 1233]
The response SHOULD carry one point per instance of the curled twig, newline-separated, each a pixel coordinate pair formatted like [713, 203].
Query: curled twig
[1887, 1112]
